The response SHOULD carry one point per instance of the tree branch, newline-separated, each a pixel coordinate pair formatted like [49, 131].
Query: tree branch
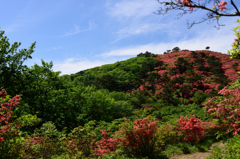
[214, 13]
[235, 6]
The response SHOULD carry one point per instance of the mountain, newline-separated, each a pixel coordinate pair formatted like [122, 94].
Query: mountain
[183, 73]
[170, 76]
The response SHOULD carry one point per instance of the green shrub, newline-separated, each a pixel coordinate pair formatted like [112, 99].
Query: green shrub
[48, 130]
[230, 151]
[199, 97]
[166, 136]
[118, 95]
[122, 109]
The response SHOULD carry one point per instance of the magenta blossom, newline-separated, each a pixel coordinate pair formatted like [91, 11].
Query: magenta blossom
[222, 5]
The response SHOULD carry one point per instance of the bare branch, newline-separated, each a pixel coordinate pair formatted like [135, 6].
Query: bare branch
[235, 6]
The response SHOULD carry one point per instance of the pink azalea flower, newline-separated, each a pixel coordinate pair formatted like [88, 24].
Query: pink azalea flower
[184, 2]
[222, 5]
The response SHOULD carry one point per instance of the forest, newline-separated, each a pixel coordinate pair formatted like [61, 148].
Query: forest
[148, 106]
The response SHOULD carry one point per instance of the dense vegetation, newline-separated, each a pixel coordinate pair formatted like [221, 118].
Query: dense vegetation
[151, 105]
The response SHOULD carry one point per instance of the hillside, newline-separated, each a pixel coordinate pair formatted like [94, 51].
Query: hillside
[114, 108]
[120, 76]
[187, 72]
[183, 72]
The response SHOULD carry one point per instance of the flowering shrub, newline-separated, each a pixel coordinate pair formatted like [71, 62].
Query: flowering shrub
[8, 131]
[226, 110]
[106, 144]
[78, 142]
[191, 129]
[189, 72]
[38, 147]
[139, 138]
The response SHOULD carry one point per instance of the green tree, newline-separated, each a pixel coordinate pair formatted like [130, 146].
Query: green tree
[176, 49]
[37, 86]
[107, 81]
[235, 51]
[11, 64]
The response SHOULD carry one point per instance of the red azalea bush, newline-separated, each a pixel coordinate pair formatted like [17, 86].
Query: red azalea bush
[226, 110]
[229, 67]
[5, 114]
[38, 147]
[78, 142]
[8, 131]
[139, 138]
[192, 129]
[105, 145]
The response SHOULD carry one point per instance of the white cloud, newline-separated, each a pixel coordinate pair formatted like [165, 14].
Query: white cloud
[11, 28]
[139, 29]
[133, 8]
[219, 43]
[197, 38]
[55, 48]
[77, 30]
[73, 65]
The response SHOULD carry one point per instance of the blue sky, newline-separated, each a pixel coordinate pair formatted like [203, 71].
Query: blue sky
[81, 34]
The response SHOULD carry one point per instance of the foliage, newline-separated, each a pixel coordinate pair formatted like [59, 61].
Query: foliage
[226, 110]
[166, 136]
[231, 150]
[235, 51]
[191, 76]
[98, 106]
[146, 54]
[139, 138]
[106, 144]
[48, 130]
[122, 109]
[119, 96]
[40, 84]
[120, 76]
[9, 142]
[64, 116]
[138, 99]
[199, 97]
[27, 123]
[38, 147]
[171, 112]
[176, 49]
[78, 142]
[11, 64]
[191, 129]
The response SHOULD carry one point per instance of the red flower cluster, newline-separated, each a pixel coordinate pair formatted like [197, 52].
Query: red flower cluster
[5, 115]
[140, 138]
[230, 67]
[33, 147]
[227, 111]
[106, 144]
[192, 129]
[137, 139]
